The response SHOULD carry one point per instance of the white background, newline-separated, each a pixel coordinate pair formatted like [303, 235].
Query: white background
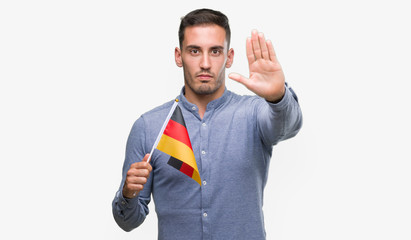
[75, 75]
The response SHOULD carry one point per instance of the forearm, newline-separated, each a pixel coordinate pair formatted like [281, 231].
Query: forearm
[281, 120]
[129, 213]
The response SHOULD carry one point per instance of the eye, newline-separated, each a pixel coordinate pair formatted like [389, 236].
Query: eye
[216, 52]
[194, 51]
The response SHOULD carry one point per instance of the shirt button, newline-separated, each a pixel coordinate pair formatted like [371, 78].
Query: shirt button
[205, 215]
[194, 108]
[204, 124]
[203, 152]
[204, 182]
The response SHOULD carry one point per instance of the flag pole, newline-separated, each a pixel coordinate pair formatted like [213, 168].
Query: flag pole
[163, 128]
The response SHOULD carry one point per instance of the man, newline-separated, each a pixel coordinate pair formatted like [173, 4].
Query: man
[232, 138]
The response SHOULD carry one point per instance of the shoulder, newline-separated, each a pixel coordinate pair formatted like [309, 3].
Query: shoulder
[245, 101]
[154, 117]
[242, 106]
[158, 111]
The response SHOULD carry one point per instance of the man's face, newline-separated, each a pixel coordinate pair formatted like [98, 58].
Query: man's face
[204, 57]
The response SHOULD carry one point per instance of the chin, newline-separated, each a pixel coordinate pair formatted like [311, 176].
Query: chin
[207, 88]
[205, 91]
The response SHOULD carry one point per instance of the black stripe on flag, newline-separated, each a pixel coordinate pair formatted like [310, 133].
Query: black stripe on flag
[174, 162]
[178, 116]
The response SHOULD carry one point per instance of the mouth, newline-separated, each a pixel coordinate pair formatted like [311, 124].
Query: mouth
[204, 77]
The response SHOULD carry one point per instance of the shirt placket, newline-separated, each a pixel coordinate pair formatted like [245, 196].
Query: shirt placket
[205, 178]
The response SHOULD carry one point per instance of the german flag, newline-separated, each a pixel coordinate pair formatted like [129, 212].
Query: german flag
[176, 143]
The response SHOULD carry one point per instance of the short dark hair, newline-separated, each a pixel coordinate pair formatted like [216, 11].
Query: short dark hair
[204, 17]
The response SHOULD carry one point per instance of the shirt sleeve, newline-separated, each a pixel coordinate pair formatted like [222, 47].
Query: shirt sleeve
[131, 213]
[279, 121]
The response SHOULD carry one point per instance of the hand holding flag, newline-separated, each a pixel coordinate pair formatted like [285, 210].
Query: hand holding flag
[137, 176]
[173, 140]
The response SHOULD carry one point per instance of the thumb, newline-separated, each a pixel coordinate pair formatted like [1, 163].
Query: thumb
[239, 78]
[146, 157]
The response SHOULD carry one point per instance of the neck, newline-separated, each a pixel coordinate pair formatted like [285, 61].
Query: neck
[201, 101]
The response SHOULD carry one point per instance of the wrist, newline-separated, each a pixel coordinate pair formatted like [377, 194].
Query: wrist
[130, 194]
[276, 99]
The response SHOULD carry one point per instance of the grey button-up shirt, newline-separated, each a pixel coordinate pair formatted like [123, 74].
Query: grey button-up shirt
[232, 145]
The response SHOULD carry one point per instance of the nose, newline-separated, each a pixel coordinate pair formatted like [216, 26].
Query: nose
[205, 62]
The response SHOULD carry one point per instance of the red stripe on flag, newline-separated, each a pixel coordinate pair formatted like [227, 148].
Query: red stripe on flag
[178, 132]
[187, 169]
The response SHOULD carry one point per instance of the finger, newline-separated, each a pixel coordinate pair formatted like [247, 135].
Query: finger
[140, 169]
[133, 172]
[134, 184]
[273, 56]
[263, 45]
[249, 51]
[256, 44]
[146, 157]
[239, 78]
[133, 181]
[134, 187]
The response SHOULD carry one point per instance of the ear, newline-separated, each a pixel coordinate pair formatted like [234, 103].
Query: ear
[230, 58]
[177, 56]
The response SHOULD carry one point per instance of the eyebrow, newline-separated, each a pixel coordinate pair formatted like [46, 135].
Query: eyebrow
[218, 47]
[198, 47]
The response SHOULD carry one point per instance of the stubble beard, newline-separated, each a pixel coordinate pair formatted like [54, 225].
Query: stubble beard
[204, 88]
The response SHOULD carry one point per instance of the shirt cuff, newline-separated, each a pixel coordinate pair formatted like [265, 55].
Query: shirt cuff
[283, 103]
[126, 202]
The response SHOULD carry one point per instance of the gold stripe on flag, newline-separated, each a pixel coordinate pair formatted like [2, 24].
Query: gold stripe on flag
[178, 150]
[196, 176]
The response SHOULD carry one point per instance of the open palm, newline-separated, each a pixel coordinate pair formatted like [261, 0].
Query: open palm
[266, 75]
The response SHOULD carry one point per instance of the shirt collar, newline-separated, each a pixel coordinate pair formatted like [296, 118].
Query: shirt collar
[211, 105]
